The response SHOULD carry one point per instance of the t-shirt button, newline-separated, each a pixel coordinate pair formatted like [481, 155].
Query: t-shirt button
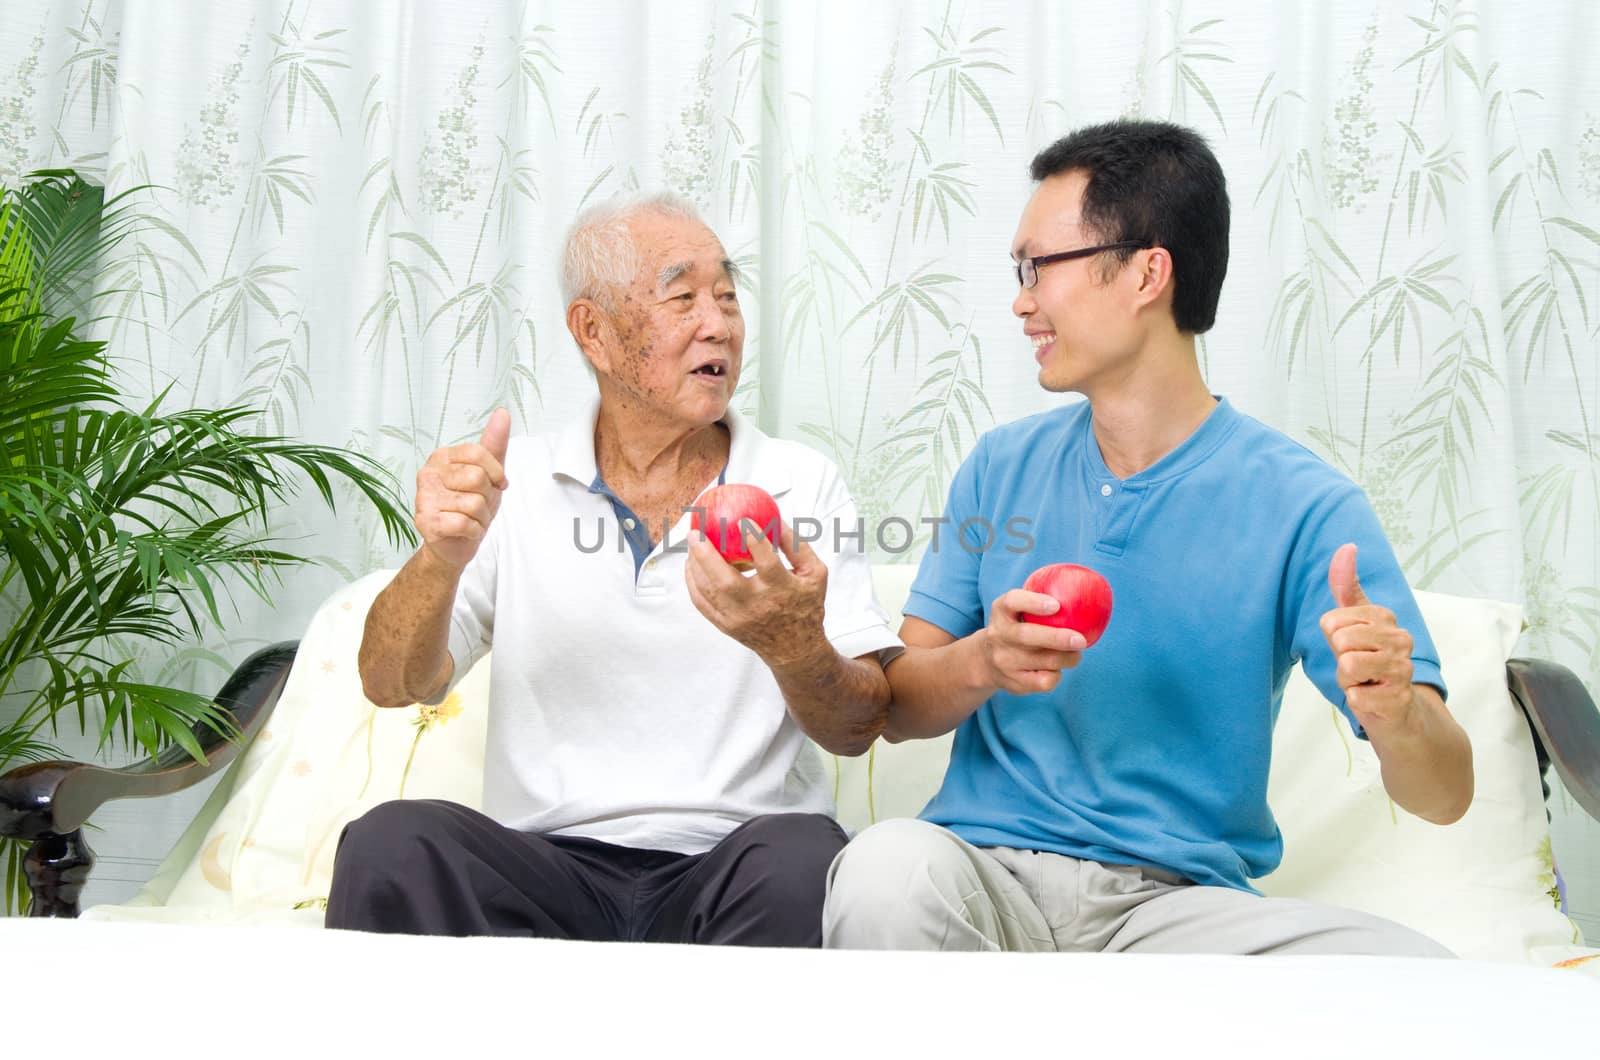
[1105, 490]
[630, 524]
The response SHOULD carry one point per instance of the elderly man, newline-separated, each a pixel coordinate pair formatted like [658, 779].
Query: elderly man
[647, 775]
[1113, 797]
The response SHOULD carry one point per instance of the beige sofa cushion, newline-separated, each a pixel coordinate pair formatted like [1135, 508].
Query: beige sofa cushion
[265, 841]
[264, 844]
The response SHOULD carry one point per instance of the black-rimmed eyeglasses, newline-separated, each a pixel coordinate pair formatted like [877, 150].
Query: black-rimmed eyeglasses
[1027, 269]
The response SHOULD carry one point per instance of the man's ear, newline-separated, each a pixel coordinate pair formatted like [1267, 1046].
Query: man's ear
[591, 330]
[1153, 276]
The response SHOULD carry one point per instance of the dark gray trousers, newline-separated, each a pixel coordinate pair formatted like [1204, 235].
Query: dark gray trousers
[427, 867]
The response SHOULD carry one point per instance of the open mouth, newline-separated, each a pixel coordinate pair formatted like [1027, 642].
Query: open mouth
[1042, 342]
[715, 371]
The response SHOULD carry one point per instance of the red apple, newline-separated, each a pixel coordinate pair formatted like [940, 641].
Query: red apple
[719, 510]
[1084, 595]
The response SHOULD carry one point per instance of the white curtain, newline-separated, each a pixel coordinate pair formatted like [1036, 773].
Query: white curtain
[362, 204]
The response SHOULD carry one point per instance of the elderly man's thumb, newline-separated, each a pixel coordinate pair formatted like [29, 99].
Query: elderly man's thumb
[497, 435]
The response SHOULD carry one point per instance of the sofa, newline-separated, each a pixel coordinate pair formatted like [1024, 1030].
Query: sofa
[316, 754]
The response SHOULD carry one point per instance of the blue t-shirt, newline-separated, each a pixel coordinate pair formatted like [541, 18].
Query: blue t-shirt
[1155, 749]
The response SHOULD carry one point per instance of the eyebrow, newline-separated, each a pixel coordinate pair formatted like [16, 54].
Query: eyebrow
[670, 273]
[1020, 251]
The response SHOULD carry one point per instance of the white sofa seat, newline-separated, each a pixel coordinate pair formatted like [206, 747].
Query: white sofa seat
[290, 993]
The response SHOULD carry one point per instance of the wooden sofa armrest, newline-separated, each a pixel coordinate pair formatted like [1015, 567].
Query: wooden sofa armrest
[1565, 724]
[48, 802]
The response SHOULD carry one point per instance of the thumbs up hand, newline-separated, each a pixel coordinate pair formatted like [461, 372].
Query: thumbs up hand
[1373, 652]
[1343, 581]
[497, 435]
[458, 493]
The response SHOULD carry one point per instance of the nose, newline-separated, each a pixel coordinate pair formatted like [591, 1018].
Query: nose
[714, 323]
[1023, 305]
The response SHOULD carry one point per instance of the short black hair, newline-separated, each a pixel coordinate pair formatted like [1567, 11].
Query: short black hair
[1159, 183]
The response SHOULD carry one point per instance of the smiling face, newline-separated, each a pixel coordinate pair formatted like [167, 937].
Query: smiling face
[673, 346]
[1083, 328]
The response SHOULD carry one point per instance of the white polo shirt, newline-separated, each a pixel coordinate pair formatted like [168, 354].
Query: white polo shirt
[616, 710]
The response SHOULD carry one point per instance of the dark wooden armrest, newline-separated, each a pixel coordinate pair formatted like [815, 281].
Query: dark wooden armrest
[1565, 723]
[48, 802]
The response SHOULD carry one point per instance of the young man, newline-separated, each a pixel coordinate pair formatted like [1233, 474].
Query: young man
[1114, 798]
[647, 775]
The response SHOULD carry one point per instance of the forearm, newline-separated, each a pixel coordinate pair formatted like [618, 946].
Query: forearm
[405, 653]
[1426, 760]
[838, 702]
[936, 689]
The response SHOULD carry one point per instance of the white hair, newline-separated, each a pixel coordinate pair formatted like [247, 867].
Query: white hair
[600, 255]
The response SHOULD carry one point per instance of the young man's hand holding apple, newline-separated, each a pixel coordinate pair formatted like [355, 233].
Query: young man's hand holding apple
[1039, 630]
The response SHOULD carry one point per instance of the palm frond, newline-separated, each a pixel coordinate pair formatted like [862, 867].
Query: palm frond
[122, 528]
[73, 228]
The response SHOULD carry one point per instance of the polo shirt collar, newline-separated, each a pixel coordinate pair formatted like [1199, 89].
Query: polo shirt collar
[1215, 429]
[751, 455]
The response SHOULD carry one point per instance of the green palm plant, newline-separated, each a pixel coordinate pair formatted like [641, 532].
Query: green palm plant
[119, 526]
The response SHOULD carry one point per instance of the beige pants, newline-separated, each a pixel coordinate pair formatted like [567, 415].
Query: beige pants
[906, 884]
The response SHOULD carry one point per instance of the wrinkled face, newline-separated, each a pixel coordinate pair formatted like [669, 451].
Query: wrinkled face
[1081, 329]
[677, 330]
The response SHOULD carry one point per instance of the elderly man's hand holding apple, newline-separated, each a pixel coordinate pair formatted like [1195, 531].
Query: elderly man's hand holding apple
[776, 611]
